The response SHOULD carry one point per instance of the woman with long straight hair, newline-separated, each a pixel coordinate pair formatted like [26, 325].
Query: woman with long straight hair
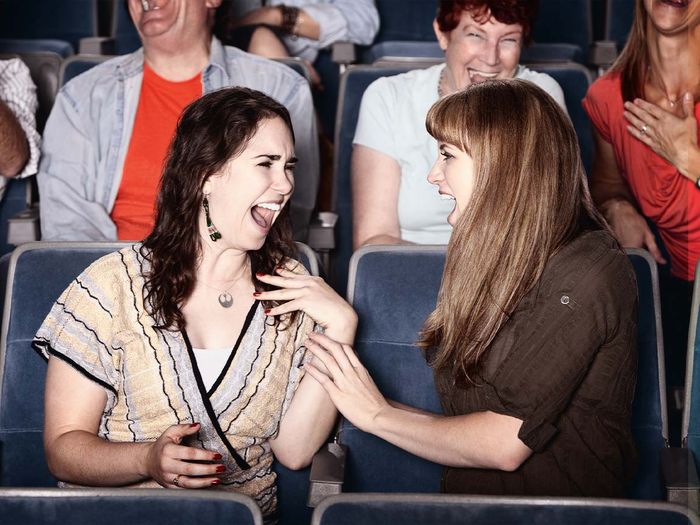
[176, 362]
[646, 113]
[533, 339]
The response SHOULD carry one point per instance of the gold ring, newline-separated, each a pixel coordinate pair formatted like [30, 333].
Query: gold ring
[176, 480]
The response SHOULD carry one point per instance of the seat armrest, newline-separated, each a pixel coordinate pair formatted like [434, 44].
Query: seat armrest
[327, 473]
[680, 477]
[321, 238]
[97, 45]
[602, 54]
[343, 54]
[24, 227]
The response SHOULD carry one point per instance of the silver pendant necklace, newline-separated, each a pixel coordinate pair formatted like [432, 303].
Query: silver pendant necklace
[225, 298]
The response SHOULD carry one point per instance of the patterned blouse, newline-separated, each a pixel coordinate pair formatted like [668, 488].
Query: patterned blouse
[99, 326]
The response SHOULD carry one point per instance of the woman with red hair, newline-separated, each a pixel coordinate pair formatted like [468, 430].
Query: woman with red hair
[392, 201]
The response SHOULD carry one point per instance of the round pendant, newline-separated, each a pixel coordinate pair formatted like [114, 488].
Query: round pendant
[226, 300]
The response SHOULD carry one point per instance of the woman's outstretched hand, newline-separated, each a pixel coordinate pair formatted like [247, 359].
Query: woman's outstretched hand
[668, 135]
[314, 297]
[346, 380]
[169, 463]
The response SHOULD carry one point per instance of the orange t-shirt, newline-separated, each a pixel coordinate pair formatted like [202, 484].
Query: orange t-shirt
[665, 196]
[160, 105]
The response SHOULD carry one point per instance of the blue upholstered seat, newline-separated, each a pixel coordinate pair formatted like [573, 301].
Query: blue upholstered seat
[133, 506]
[618, 21]
[67, 20]
[423, 509]
[393, 289]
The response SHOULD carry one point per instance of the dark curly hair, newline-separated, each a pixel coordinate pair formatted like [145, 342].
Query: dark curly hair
[211, 131]
[521, 12]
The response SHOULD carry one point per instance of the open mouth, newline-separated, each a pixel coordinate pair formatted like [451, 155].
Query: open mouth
[264, 214]
[676, 3]
[446, 196]
[479, 76]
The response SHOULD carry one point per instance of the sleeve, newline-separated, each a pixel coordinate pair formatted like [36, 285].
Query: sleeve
[375, 123]
[354, 20]
[539, 378]
[596, 103]
[18, 92]
[78, 331]
[68, 162]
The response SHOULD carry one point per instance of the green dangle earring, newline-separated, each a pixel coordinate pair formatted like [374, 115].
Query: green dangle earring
[214, 234]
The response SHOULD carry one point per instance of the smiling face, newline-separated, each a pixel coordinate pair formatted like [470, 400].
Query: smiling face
[246, 197]
[476, 51]
[453, 174]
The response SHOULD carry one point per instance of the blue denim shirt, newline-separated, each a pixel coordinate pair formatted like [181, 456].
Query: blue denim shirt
[88, 132]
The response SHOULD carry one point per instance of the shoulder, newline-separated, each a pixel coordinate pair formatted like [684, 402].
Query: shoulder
[415, 78]
[295, 266]
[13, 67]
[409, 91]
[96, 82]
[595, 266]
[605, 91]
[542, 80]
[115, 269]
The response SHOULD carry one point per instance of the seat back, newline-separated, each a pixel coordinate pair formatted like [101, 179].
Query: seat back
[690, 433]
[68, 20]
[567, 22]
[649, 418]
[393, 289]
[619, 15]
[123, 31]
[114, 506]
[442, 509]
[77, 65]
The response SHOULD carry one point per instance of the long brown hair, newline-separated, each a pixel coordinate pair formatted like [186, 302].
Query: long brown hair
[211, 131]
[530, 198]
[633, 62]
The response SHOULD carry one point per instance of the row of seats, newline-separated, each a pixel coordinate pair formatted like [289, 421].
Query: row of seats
[145, 507]
[392, 288]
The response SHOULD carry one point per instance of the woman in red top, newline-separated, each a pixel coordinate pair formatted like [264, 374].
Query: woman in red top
[647, 164]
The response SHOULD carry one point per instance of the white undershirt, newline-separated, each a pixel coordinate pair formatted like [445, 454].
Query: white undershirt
[210, 363]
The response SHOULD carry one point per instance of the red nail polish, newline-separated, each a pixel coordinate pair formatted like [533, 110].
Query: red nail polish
[192, 425]
[220, 469]
[217, 457]
[267, 311]
[259, 274]
[255, 294]
[216, 482]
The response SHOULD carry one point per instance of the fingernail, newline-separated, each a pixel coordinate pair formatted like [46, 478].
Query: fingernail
[217, 457]
[256, 294]
[220, 469]
[192, 425]
[259, 274]
[216, 482]
[267, 311]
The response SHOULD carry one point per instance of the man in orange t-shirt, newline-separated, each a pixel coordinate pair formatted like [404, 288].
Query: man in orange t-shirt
[108, 134]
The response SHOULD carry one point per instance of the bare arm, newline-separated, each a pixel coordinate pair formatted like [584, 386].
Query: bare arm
[614, 199]
[481, 439]
[376, 178]
[14, 149]
[306, 25]
[74, 406]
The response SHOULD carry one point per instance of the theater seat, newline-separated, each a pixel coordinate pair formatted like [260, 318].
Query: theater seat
[112, 506]
[422, 509]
